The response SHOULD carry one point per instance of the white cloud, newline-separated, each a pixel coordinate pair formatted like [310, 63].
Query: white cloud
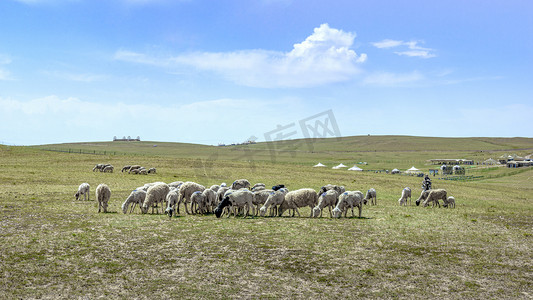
[414, 50]
[323, 57]
[392, 79]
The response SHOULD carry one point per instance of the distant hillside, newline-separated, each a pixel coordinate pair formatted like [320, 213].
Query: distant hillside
[344, 144]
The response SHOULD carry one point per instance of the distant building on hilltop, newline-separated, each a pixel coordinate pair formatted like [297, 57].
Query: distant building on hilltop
[126, 139]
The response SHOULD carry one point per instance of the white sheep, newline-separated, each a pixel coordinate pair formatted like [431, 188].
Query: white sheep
[215, 188]
[371, 197]
[237, 199]
[151, 171]
[258, 187]
[260, 197]
[220, 193]
[274, 199]
[240, 184]
[434, 196]
[185, 193]
[210, 199]
[349, 199]
[406, 193]
[156, 194]
[133, 168]
[198, 203]
[327, 199]
[423, 195]
[450, 202]
[99, 167]
[83, 189]
[299, 198]
[125, 168]
[175, 184]
[172, 199]
[103, 193]
[135, 198]
[143, 172]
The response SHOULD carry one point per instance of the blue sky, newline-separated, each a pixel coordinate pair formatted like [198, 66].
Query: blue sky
[222, 71]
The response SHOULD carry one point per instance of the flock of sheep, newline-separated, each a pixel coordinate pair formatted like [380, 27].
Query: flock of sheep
[255, 200]
[131, 169]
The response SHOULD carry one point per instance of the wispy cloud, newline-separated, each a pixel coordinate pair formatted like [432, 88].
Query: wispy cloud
[392, 79]
[79, 77]
[323, 57]
[412, 48]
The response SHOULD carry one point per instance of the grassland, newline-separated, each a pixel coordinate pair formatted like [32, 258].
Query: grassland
[55, 247]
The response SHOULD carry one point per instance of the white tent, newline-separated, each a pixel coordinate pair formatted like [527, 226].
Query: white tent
[355, 168]
[413, 170]
[319, 165]
[339, 166]
[395, 171]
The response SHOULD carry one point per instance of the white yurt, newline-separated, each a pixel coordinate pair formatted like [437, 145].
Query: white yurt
[395, 171]
[319, 165]
[355, 168]
[413, 170]
[339, 166]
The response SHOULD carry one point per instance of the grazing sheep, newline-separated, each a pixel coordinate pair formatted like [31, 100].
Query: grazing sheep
[135, 198]
[198, 203]
[220, 193]
[156, 194]
[108, 169]
[151, 171]
[422, 197]
[185, 193]
[273, 201]
[211, 199]
[371, 195]
[347, 200]
[299, 198]
[223, 184]
[125, 168]
[258, 187]
[406, 193]
[175, 184]
[133, 168]
[260, 197]
[450, 202]
[434, 196]
[237, 199]
[326, 199]
[143, 172]
[146, 186]
[337, 188]
[99, 167]
[240, 184]
[103, 193]
[215, 188]
[172, 199]
[221, 206]
[83, 189]
[135, 171]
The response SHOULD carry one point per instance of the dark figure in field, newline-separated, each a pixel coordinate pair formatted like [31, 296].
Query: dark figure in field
[426, 184]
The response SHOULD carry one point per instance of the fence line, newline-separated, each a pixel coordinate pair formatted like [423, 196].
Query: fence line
[81, 151]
